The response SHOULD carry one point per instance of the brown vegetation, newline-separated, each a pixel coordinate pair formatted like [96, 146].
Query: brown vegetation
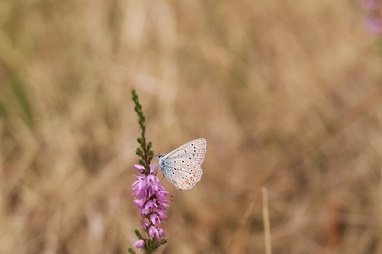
[287, 95]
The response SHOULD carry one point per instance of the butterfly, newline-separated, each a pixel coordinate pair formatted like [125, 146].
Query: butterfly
[182, 166]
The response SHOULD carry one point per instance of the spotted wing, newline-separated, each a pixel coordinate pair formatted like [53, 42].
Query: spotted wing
[182, 167]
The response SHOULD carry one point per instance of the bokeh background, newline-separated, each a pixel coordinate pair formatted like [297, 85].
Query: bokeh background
[287, 95]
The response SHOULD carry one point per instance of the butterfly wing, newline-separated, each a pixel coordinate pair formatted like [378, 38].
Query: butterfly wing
[182, 167]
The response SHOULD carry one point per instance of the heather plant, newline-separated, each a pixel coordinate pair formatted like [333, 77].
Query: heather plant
[374, 15]
[150, 197]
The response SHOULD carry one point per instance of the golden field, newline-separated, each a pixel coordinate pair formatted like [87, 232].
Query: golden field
[287, 94]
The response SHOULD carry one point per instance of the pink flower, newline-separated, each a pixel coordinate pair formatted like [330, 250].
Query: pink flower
[154, 233]
[374, 15]
[151, 200]
[154, 218]
[145, 225]
[161, 232]
[162, 215]
[369, 4]
[374, 25]
[139, 244]
[140, 168]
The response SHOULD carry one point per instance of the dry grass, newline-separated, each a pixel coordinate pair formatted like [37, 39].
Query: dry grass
[287, 95]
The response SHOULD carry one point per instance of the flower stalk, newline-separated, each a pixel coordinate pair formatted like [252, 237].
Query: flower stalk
[150, 197]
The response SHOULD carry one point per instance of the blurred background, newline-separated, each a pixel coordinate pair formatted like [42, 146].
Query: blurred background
[288, 97]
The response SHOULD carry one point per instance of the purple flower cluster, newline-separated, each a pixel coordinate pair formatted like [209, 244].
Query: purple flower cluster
[151, 199]
[374, 19]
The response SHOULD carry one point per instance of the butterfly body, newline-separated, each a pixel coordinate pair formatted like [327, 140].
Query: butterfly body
[182, 167]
